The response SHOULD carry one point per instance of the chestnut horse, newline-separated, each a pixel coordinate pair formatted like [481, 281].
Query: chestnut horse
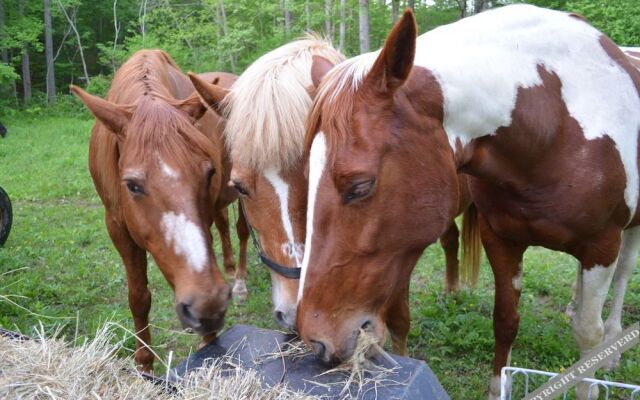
[157, 163]
[512, 97]
[266, 144]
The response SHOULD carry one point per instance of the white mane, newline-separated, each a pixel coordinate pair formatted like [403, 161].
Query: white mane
[268, 105]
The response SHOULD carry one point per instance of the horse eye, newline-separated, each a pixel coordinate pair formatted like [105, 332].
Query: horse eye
[135, 188]
[210, 173]
[240, 189]
[359, 190]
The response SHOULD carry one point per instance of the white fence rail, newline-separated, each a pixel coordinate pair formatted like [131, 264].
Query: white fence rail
[511, 374]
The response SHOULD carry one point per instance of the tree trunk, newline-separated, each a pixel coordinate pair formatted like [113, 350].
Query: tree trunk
[287, 16]
[328, 27]
[479, 6]
[462, 6]
[343, 25]
[395, 6]
[364, 26]
[223, 17]
[26, 68]
[4, 52]
[307, 15]
[116, 28]
[142, 17]
[48, 51]
[73, 26]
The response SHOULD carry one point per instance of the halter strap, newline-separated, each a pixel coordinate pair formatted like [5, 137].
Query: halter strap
[287, 272]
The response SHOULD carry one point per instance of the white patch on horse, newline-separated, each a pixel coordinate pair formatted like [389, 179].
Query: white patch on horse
[168, 171]
[282, 191]
[511, 42]
[186, 238]
[587, 323]
[482, 61]
[317, 160]
[293, 250]
[517, 280]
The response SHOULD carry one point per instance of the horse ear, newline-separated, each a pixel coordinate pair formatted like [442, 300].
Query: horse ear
[210, 93]
[319, 68]
[193, 106]
[393, 65]
[113, 116]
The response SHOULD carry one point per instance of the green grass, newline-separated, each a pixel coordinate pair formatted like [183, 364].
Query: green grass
[61, 266]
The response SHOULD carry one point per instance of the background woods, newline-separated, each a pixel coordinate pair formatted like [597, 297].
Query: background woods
[46, 45]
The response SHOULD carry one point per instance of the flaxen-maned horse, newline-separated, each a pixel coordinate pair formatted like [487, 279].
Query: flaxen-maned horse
[266, 111]
[539, 108]
[156, 158]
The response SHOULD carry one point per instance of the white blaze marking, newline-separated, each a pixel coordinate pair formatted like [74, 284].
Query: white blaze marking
[317, 160]
[187, 239]
[168, 171]
[482, 61]
[282, 190]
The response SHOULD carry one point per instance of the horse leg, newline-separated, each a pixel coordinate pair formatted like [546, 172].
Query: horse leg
[571, 307]
[449, 243]
[399, 322]
[240, 291]
[135, 262]
[598, 266]
[221, 219]
[506, 262]
[624, 268]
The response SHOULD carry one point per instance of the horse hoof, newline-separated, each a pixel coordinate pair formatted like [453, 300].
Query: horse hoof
[570, 311]
[240, 292]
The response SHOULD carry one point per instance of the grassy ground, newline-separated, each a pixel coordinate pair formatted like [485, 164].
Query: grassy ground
[59, 267]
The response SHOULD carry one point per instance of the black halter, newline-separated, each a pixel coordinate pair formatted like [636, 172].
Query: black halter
[287, 272]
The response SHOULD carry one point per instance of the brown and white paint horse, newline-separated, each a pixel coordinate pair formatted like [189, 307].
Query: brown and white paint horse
[514, 98]
[157, 162]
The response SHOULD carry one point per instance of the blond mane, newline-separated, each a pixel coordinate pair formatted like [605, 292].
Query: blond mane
[267, 106]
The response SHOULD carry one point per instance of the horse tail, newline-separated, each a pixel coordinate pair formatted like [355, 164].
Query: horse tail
[471, 246]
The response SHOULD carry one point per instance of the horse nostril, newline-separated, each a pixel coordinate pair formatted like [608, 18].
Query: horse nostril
[186, 315]
[279, 317]
[319, 349]
[367, 325]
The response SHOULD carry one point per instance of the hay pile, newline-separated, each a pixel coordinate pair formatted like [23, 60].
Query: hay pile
[52, 368]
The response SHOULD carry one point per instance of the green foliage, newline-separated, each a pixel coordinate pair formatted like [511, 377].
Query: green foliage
[620, 19]
[7, 74]
[201, 37]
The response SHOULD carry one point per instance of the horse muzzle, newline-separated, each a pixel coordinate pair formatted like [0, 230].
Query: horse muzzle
[201, 326]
